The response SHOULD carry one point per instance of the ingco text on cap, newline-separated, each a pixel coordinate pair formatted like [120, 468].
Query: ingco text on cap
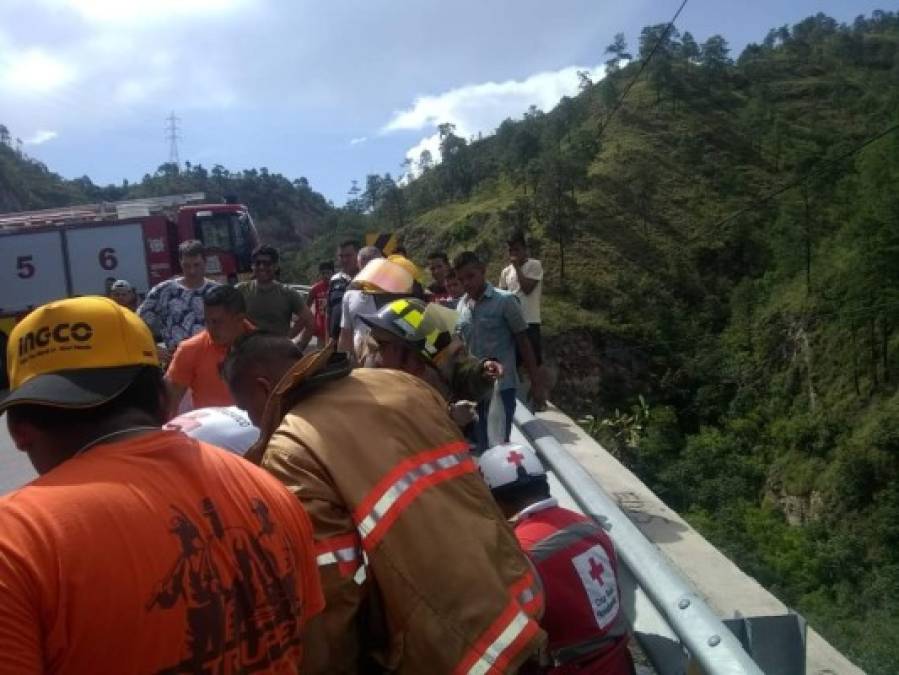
[60, 334]
[77, 334]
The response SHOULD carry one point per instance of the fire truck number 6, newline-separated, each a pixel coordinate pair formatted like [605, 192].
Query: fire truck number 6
[107, 259]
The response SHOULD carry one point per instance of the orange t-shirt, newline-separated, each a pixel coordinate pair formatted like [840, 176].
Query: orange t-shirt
[195, 365]
[155, 554]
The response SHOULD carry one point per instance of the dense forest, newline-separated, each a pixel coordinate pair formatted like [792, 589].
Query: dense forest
[720, 235]
[721, 254]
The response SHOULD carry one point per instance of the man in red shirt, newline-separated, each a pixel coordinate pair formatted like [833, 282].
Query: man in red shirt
[576, 563]
[317, 300]
[197, 360]
[439, 266]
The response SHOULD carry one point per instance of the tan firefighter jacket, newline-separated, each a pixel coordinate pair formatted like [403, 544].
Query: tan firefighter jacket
[421, 572]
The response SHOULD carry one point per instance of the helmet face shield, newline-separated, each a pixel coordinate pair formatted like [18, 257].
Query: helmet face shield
[437, 327]
[427, 328]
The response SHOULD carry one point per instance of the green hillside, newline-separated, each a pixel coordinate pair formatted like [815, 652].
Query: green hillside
[759, 333]
[287, 212]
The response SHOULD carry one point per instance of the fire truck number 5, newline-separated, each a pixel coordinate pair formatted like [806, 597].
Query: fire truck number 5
[24, 266]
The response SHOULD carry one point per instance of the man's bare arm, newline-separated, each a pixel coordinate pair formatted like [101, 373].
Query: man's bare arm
[303, 328]
[175, 394]
[527, 284]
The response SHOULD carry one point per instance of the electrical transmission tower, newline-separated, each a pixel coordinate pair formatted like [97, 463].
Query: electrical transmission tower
[172, 135]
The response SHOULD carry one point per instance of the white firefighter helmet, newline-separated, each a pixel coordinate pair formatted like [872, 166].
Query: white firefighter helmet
[508, 464]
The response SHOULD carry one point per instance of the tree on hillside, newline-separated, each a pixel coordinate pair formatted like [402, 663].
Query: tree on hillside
[714, 55]
[389, 202]
[619, 53]
[517, 217]
[689, 49]
[372, 193]
[425, 161]
[873, 277]
[642, 189]
[660, 41]
[455, 168]
[555, 205]
[518, 144]
[585, 88]
[354, 203]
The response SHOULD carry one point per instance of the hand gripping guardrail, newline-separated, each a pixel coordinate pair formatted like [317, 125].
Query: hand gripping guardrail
[710, 643]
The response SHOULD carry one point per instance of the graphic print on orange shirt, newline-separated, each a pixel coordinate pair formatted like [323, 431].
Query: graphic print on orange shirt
[238, 619]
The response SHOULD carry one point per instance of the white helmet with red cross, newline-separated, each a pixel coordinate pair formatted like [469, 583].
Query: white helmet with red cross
[510, 464]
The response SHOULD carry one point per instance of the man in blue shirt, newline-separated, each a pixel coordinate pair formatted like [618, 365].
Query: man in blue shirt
[492, 325]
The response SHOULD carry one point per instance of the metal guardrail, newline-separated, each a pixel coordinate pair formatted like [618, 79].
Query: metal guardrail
[709, 642]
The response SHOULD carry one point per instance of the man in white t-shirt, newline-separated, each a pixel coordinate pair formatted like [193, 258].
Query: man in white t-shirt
[229, 428]
[353, 331]
[524, 279]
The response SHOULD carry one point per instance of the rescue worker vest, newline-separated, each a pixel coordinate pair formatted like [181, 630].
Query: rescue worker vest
[578, 568]
[420, 571]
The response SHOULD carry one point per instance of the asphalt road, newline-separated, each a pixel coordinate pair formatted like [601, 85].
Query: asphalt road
[15, 469]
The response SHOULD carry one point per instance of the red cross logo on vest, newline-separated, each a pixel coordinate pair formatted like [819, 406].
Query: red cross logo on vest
[515, 458]
[596, 570]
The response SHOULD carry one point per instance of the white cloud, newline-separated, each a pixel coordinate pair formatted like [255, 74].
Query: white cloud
[357, 141]
[430, 143]
[34, 71]
[142, 11]
[106, 73]
[41, 136]
[132, 91]
[479, 108]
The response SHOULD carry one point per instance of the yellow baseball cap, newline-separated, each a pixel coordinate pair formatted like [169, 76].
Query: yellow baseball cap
[76, 353]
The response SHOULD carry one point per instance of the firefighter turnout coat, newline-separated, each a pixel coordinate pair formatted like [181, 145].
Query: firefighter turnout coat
[421, 573]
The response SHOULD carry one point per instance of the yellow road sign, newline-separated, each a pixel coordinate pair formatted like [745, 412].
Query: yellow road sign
[386, 241]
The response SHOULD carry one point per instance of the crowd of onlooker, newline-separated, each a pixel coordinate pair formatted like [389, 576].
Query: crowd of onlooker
[195, 320]
[499, 322]
[160, 537]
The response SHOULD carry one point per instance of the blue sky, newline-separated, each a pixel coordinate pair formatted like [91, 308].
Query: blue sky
[327, 90]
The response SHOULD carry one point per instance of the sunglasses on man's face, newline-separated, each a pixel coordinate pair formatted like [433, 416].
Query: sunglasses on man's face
[263, 263]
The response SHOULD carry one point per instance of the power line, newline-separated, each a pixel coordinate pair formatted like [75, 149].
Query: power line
[761, 201]
[643, 64]
[172, 135]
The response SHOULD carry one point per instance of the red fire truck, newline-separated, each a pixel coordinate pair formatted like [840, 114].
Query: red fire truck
[57, 253]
